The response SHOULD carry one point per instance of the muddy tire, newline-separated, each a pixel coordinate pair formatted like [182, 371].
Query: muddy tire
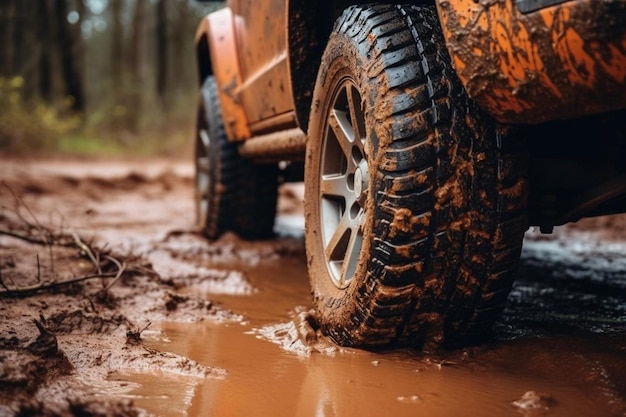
[256, 200]
[231, 193]
[415, 205]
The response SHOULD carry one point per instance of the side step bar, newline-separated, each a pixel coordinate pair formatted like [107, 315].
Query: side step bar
[286, 145]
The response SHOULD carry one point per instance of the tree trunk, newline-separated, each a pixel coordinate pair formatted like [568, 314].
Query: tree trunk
[117, 44]
[161, 50]
[45, 62]
[25, 49]
[137, 64]
[19, 29]
[183, 43]
[69, 47]
[7, 24]
[138, 42]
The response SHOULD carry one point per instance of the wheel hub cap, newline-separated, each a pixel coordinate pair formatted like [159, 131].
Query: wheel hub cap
[361, 182]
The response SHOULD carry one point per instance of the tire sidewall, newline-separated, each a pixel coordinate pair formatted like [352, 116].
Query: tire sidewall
[210, 121]
[202, 124]
[340, 62]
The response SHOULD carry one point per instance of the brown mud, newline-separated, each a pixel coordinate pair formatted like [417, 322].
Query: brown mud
[224, 328]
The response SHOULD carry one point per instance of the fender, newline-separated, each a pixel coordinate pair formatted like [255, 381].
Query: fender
[217, 33]
[554, 60]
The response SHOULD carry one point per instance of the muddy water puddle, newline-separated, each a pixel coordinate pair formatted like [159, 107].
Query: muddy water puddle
[238, 313]
[272, 372]
[262, 380]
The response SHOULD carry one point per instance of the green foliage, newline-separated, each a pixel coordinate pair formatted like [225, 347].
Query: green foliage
[134, 67]
[113, 128]
[30, 127]
[143, 124]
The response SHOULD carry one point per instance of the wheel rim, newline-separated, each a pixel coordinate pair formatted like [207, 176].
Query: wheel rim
[203, 177]
[344, 183]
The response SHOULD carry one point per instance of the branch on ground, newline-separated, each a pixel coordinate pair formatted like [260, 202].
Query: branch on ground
[48, 285]
[105, 264]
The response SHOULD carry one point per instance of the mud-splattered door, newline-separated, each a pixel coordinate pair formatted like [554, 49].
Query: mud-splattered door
[262, 42]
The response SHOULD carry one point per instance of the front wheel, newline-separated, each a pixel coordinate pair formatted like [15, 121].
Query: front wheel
[414, 208]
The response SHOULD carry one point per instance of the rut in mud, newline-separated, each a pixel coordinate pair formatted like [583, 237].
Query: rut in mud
[190, 327]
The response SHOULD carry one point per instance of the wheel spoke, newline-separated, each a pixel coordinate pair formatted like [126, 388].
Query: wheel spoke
[343, 132]
[334, 185]
[357, 118]
[336, 247]
[353, 251]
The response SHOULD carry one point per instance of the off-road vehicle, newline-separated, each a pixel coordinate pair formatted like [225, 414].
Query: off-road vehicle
[429, 136]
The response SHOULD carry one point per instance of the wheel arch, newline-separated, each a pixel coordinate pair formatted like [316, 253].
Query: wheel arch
[203, 58]
[309, 26]
[530, 62]
[216, 54]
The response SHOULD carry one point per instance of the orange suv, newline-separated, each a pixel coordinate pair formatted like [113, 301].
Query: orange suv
[429, 136]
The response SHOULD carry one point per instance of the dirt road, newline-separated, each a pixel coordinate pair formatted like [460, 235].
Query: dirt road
[111, 304]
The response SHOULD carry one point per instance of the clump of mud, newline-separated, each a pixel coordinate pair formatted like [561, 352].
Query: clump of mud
[27, 364]
[301, 335]
[90, 262]
[533, 402]
[73, 310]
[78, 407]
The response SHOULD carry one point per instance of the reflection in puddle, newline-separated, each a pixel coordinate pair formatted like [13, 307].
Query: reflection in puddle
[527, 377]
[162, 393]
[264, 380]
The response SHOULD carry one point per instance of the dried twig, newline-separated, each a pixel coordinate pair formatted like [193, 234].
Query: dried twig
[121, 267]
[45, 233]
[134, 337]
[52, 240]
[85, 248]
[46, 285]
[20, 203]
[38, 270]
[36, 233]
[26, 238]
[2, 284]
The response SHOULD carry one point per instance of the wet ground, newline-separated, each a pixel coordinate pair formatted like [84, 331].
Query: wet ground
[220, 329]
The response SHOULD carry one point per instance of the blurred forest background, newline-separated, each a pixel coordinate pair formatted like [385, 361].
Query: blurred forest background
[99, 77]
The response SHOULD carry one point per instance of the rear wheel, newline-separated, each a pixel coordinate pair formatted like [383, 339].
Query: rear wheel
[415, 206]
[216, 166]
[231, 193]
